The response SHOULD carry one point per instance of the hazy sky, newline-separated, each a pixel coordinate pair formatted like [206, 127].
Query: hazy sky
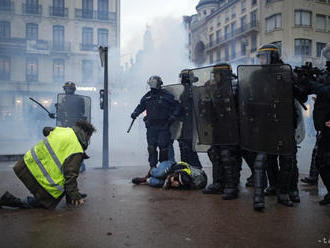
[136, 14]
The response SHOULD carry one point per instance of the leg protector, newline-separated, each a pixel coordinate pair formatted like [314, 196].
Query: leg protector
[230, 173]
[259, 177]
[285, 178]
[163, 154]
[153, 155]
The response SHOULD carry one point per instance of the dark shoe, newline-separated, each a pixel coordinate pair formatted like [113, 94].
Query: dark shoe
[294, 196]
[83, 195]
[230, 194]
[326, 200]
[309, 180]
[214, 188]
[139, 180]
[10, 200]
[258, 203]
[284, 199]
[270, 190]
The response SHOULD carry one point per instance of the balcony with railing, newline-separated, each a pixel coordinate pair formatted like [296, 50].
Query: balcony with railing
[58, 12]
[253, 26]
[32, 9]
[60, 46]
[95, 15]
[7, 6]
[88, 47]
[13, 44]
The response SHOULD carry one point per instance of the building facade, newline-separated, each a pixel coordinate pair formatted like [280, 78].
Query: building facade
[232, 30]
[44, 43]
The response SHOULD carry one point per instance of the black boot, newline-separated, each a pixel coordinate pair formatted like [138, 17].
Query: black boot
[214, 188]
[259, 176]
[293, 190]
[326, 200]
[284, 199]
[285, 179]
[312, 179]
[9, 200]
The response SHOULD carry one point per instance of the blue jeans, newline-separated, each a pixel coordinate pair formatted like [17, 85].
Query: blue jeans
[158, 175]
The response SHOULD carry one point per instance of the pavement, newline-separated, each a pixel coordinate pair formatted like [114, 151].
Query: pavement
[120, 214]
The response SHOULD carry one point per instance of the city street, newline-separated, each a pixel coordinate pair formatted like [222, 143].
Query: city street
[120, 214]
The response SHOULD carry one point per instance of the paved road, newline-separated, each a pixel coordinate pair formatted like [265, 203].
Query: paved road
[119, 214]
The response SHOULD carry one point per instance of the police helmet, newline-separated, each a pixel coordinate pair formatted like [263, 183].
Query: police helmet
[326, 52]
[69, 87]
[268, 54]
[155, 82]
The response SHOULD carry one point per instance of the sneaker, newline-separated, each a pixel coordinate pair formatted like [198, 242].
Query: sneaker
[139, 180]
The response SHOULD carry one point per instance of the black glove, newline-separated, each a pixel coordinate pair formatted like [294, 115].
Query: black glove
[133, 116]
[51, 115]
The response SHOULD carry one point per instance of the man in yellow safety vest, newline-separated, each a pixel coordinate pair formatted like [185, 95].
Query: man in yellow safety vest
[51, 168]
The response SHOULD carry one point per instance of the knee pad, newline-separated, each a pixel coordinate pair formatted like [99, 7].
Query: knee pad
[152, 149]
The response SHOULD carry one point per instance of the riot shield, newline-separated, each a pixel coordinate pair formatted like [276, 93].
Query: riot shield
[216, 113]
[176, 90]
[266, 108]
[72, 108]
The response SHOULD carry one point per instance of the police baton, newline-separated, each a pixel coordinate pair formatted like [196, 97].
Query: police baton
[130, 126]
[40, 105]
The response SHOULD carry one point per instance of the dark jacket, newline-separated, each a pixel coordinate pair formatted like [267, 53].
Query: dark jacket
[71, 168]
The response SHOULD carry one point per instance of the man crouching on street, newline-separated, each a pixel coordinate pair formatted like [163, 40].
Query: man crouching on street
[51, 168]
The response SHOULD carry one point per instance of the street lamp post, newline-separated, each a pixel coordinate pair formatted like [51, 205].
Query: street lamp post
[105, 106]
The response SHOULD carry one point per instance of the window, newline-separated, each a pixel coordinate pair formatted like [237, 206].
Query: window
[253, 17]
[4, 68]
[5, 5]
[253, 42]
[31, 31]
[243, 6]
[320, 22]
[32, 7]
[233, 12]
[87, 38]
[87, 8]
[253, 2]
[302, 47]
[4, 30]
[226, 53]
[227, 16]
[211, 37]
[243, 23]
[233, 28]
[218, 55]
[58, 8]
[31, 69]
[303, 18]
[58, 37]
[319, 47]
[211, 57]
[103, 37]
[87, 71]
[103, 6]
[279, 45]
[243, 47]
[218, 36]
[58, 70]
[273, 22]
[219, 21]
[227, 32]
[233, 49]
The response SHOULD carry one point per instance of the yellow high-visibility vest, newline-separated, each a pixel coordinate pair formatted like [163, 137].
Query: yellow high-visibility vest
[187, 169]
[45, 160]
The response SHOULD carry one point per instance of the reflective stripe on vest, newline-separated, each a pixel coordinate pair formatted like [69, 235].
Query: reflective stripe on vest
[187, 170]
[45, 160]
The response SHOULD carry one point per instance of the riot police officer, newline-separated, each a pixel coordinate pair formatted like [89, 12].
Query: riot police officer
[185, 141]
[254, 127]
[321, 117]
[162, 109]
